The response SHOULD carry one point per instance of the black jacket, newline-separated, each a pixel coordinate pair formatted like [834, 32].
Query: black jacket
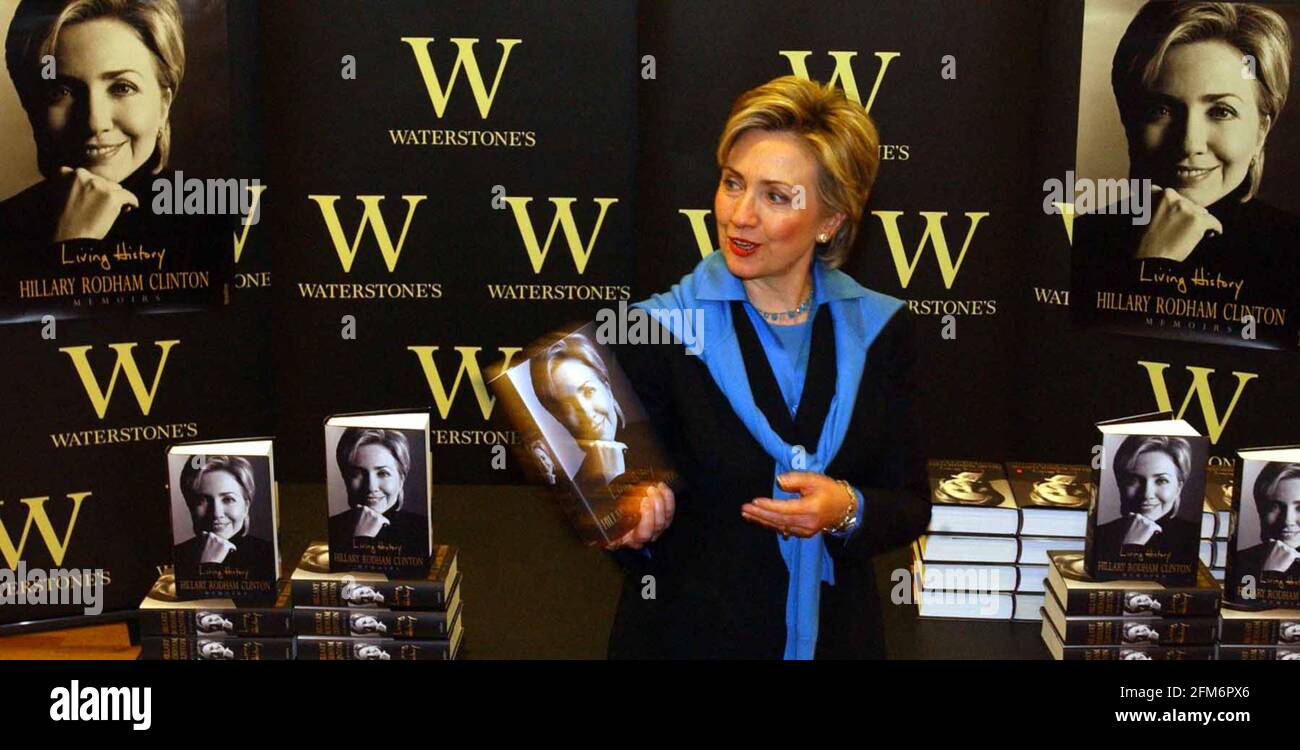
[719, 582]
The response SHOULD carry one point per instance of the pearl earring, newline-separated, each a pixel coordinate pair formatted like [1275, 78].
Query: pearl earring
[823, 238]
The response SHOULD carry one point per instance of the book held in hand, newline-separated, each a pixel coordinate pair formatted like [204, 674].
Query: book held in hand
[379, 481]
[225, 520]
[1147, 520]
[584, 432]
[1263, 568]
[970, 497]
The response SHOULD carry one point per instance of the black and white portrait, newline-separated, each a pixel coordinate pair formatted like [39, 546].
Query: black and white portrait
[102, 101]
[1061, 491]
[378, 489]
[214, 650]
[212, 623]
[222, 516]
[365, 623]
[1139, 603]
[585, 431]
[1150, 500]
[1267, 542]
[971, 488]
[361, 594]
[1139, 632]
[369, 652]
[1185, 173]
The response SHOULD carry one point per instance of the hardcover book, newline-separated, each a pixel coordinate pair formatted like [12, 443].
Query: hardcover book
[1147, 520]
[1263, 567]
[970, 497]
[321, 648]
[1258, 653]
[992, 549]
[225, 520]
[213, 648]
[377, 623]
[379, 483]
[1259, 627]
[1053, 498]
[583, 432]
[313, 585]
[1135, 630]
[163, 613]
[1079, 594]
[1130, 652]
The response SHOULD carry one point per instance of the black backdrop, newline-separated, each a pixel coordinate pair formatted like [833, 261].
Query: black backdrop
[1016, 381]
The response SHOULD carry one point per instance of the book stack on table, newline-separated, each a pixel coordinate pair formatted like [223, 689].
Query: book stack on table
[370, 616]
[985, 553]
[213, 629]
[1124, 620]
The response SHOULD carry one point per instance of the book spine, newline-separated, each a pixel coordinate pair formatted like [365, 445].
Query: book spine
[426, 595]
[1090, 530]
[185, 648]
[257, 622]
[1148, 653]
[1110, 632]
[1229, 652]
[360, 622]
[1258, 632]
[372, 649]
[1167, 602]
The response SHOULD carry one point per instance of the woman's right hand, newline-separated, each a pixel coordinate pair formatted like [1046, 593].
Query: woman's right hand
[1140, 529]
[91, 205]
[657, 508]
[1280, 557]
[1177, 225]
[214, 549]
[368, 522]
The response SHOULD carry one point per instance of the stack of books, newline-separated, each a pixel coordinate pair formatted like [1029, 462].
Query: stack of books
[985, 553]
[371, 616]
[1259, 635]
[1127, 619]
[213, 629]
[1216, 519]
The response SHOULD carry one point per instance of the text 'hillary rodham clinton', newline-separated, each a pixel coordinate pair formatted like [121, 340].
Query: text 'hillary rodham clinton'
[634, 325]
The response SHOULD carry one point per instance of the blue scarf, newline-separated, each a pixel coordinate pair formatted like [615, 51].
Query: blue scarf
[858, 315]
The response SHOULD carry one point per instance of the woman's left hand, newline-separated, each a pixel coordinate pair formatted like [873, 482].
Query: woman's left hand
[823, 503]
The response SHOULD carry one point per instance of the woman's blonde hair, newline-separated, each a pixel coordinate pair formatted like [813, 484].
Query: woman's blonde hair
[1159, 26]
[838, 134]
[34, 33]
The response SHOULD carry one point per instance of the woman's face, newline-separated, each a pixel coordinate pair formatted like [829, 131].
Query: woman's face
[1153, 487]
[1280, 518]
[1201, 126]
[220, 506]
[760, 230]
[105, 109]
[374, 480]
[586, 403]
